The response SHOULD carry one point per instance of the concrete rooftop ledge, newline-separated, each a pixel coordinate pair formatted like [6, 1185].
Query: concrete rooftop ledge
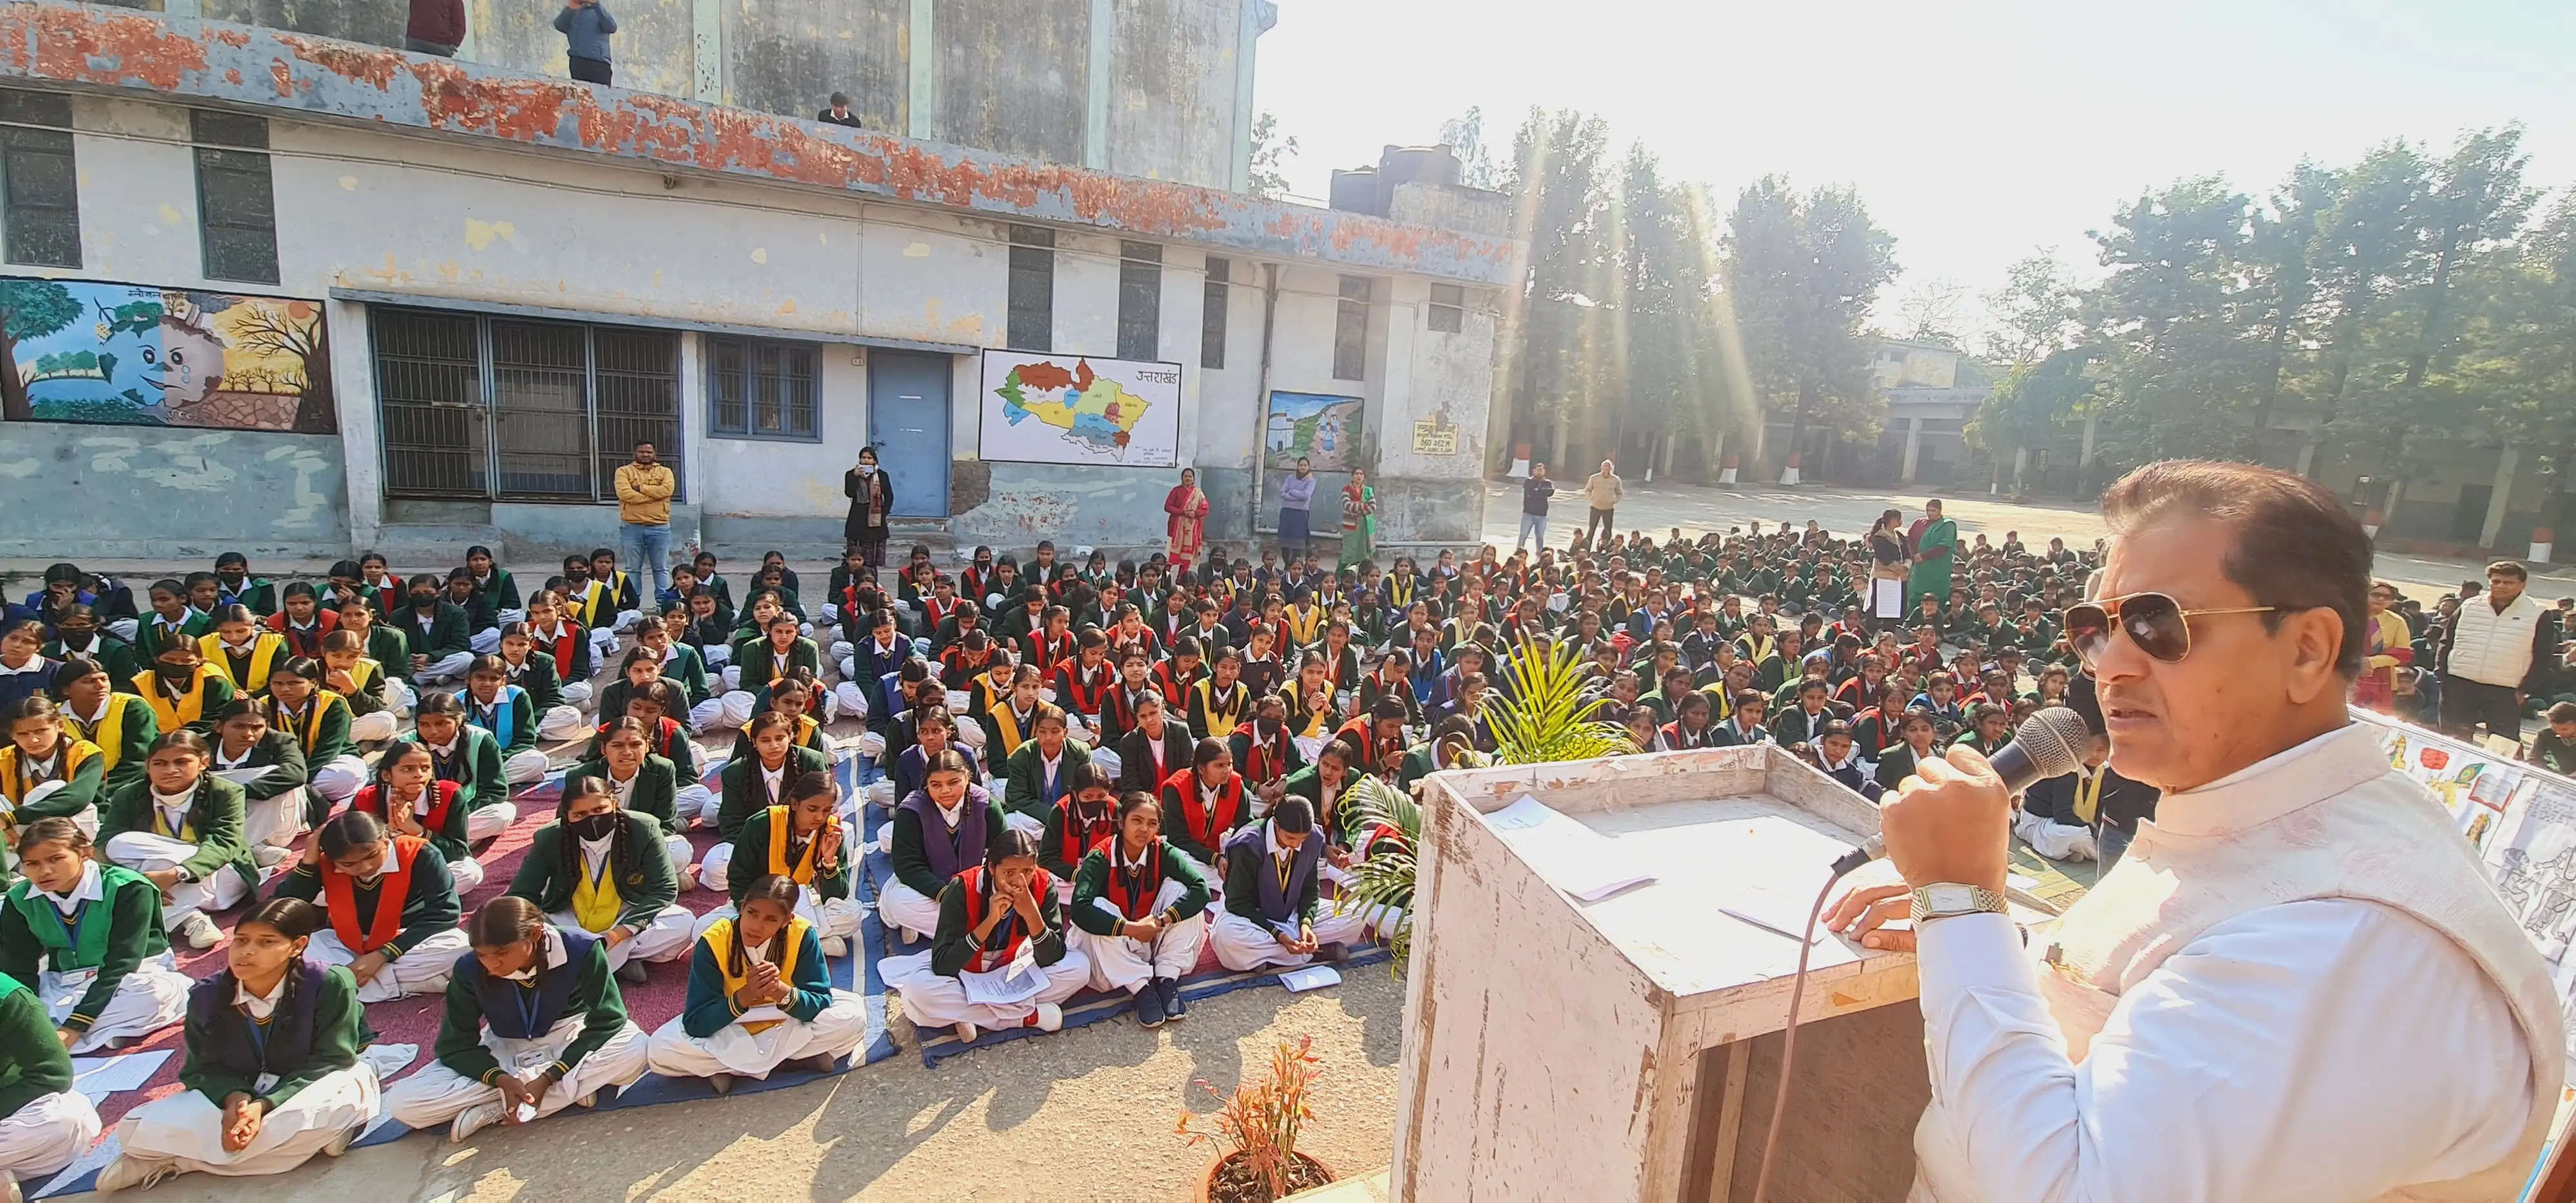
[292, 76]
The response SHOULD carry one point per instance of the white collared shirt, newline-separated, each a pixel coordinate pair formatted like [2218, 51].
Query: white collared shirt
[594, 853]
[2323, 1049]
[952, 815]
[92, 888]
[173, 807]
[261, 1006]
[772, 780]
[625, 790]
[550, 955]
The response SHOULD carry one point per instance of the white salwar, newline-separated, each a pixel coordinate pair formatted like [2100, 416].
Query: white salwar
[47, 1135]
[274, 821]
[666, 938]
[187, 1129]
[341, 777]
[562, 722]
[707, 712]
[524, 768]
[145, 852]
[445, 669]
[834, 1032]
[934, 1000]
[906, 909]
[374, 727]
[1119, 963]
[485, 822]
[423, 970]
[1242, 944]
[435, 1094]
[149, 999]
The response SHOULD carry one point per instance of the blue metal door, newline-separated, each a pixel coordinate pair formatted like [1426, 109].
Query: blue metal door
[908, 423]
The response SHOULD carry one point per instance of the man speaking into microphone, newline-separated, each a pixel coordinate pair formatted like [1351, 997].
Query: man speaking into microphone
[2297, 985]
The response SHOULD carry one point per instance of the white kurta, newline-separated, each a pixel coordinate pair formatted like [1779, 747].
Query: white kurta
[833, 1032]
[435, 1094]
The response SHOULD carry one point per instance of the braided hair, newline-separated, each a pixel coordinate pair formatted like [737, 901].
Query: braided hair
[771, 887]
[568, 849]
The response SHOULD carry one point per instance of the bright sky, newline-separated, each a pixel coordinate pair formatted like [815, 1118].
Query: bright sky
[1975, 131]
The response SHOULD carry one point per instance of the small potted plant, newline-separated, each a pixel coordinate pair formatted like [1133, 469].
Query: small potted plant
[1256, 1133]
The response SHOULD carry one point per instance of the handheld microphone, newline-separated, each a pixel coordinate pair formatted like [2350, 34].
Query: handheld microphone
[2049, 744]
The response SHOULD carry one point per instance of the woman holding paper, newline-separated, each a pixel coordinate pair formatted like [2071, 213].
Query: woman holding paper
[759, 997]
[1000, 960]
[272, 1073]
[1140, 907]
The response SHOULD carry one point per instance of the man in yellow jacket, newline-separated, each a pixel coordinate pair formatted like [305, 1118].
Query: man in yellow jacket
[644, 489]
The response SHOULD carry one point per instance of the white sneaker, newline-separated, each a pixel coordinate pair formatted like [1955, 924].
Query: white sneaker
[1050, 1017]
[135, 1173]
[835, 946]
[472, 1120]
[965, 1032]
[198, 931]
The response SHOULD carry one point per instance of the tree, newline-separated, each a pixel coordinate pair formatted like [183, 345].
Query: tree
[2367, 238]
[1553, 350]
[295, 328]
[1801, 274]
[1464, 135]
[2036, 312]
[1934, 310]
[28, 309]
[1270, 153]
[2175, 377]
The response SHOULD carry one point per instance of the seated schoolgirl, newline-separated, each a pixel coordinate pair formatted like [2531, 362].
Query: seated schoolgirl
[45, 770]
[1272, 915]
[383, 644]
[80, 632]
[1203, 803]
[804, 840]
[643, 783]
[1085, 814]
[391, 903]
[751, 783]
[242, 650]
[509, 715]
[120, 724]
[1156, 746]
[650, 706]
[434, 634]
[413, 801]
[682, 667]
[362, 683]
[1140, 912]
[601, 870]
[760, 997]
[534, 1024]
[881, 650]
[271, 1069]
[268, 765]
[44, 1124]
[88, 938]
[636, 669]
[302, 623]
[499, 594]
[521, 665]
[24, 668]
[990, 914]
[1043, 770]
[170, 622]
[181, 827]
[934, 732]
[939, 831]
[319, 720]
[556, 635]
[792, 696]
[756, 664]
[183, 690]
[470, 757]
[482, 615]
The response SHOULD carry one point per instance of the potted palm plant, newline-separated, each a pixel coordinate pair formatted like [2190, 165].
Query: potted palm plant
[1255, 1133]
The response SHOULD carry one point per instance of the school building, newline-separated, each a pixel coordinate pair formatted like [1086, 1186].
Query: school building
[294, 296]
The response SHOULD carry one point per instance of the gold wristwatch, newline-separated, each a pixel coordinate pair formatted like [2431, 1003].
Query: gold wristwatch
[1945, 899]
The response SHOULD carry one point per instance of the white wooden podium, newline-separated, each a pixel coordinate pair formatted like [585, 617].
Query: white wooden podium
[1627, 1048]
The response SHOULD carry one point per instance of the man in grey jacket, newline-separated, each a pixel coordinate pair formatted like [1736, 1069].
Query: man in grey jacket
[586, 25]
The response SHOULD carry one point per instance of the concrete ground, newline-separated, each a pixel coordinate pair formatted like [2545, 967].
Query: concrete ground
[1081, 1115]
[1657, 508]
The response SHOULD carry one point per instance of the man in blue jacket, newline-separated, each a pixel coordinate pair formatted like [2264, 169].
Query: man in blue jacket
[586, 25]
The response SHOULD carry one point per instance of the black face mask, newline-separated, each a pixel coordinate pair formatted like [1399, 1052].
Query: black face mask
[424, 601]
[174, 673]
[596, 827]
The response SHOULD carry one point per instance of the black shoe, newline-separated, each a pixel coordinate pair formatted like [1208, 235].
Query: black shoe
[1149, 1006]
[631, 973]
[1169, 989]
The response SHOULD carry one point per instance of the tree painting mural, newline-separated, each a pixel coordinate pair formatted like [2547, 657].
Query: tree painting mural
[81, 351]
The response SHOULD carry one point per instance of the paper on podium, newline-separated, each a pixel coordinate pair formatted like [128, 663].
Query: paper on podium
[1016, 982]
[1570, 856]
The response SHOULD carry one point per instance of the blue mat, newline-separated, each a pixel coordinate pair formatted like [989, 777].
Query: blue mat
[854, 973]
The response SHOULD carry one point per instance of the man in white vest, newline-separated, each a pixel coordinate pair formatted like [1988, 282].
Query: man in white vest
[2298, 984]
[2496, 649]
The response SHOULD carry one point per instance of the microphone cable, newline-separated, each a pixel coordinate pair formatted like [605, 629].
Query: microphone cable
[1789, 1036]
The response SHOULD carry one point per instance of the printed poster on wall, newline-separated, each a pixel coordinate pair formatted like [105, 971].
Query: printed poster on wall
[133, 355]
[1079, 409]
[1317, 426]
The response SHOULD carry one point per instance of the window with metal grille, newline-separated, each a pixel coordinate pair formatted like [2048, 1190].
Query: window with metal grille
[236, 205]
[761, 390]
[1350, 330]
[1140, 300]
[481, 407]
[38, 180]
[1448, 308]
[1032, 292]
[1212, 313]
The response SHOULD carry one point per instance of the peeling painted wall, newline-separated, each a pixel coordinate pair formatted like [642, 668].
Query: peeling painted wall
[1012, 76]
[288, 74]
[651, 50]
[124, 490]
[789, 56]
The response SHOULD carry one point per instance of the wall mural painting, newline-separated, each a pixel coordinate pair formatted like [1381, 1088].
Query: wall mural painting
[123, 354]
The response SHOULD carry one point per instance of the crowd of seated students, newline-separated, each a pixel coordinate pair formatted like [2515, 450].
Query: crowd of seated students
[1091, 773]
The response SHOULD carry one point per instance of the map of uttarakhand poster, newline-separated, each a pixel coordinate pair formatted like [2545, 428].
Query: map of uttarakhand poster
[1080, 409]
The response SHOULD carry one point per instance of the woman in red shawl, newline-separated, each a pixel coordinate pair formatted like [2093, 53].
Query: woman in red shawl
[1187, 527]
